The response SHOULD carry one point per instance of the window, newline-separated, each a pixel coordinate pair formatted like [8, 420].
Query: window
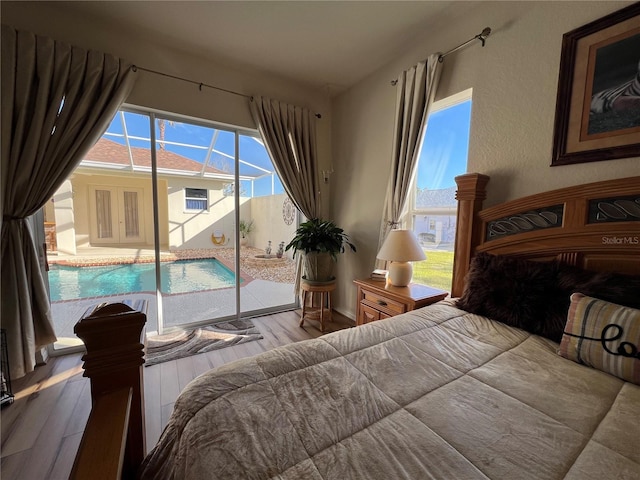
[432, 210]
[195, 198]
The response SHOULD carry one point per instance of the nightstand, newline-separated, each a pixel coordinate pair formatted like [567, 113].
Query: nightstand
[378, 300]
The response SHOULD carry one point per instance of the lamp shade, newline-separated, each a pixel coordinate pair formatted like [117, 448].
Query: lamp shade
[401, 246]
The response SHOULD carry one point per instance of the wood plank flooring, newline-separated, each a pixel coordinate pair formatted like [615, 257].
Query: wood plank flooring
[41, 431]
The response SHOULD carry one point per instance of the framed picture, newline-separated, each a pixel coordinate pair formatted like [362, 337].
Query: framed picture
[598, 102]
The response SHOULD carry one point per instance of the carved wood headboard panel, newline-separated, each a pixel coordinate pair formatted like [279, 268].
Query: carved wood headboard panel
[595, 226]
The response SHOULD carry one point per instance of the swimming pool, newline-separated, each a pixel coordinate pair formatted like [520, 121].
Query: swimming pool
[181, 276]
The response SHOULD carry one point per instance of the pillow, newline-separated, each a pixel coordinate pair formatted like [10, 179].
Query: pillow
[534, 296]
[516, 292]
[612, 287]
[603, 335]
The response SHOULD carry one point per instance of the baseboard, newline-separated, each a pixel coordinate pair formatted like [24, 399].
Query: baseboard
[349, 315]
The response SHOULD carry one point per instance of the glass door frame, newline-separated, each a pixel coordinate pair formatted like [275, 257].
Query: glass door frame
[153, 114]
[237, 131]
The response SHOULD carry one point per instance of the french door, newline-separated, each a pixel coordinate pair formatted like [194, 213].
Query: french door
[116, 215]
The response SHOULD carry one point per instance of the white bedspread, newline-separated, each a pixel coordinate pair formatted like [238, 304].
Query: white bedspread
[435, 393]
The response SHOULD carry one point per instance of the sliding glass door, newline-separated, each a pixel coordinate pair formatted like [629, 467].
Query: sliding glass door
[217, 178]
[155, 207]
[269, 271]
[198, 278]
[99, 229]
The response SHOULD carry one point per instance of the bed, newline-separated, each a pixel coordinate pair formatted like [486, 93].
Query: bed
[473, 387]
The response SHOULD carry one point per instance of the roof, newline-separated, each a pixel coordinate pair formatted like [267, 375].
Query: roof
[110, 152]
[445, 197]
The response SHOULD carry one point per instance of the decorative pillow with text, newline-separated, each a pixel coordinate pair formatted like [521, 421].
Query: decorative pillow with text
[604, 336]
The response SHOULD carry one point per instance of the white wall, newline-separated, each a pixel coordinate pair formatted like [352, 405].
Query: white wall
[514, 80]
[266, 213]
[193, 230]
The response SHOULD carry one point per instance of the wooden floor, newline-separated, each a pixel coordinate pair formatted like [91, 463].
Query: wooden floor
[41, 431]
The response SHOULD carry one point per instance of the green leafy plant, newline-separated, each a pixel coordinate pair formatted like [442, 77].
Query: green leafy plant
[320, 236]
[245, 227]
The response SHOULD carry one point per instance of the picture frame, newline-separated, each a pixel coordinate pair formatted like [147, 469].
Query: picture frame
[597, 114]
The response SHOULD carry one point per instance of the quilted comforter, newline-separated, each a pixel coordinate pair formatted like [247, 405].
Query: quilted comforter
[437, 393]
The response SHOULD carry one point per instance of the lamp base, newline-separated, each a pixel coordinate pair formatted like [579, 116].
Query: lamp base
[400, 274]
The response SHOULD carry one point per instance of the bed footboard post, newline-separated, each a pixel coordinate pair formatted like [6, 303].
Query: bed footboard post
[470, 194]
[114, 339]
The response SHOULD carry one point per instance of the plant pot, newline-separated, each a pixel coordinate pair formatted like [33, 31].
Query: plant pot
[318, 267]
[244, 241]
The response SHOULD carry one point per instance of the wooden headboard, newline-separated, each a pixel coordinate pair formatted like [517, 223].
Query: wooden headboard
[595, 226]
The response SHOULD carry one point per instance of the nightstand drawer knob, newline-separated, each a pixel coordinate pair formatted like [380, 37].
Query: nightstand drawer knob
[382, 303]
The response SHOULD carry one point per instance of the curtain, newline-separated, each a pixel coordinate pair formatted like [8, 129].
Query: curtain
[289, 134]
[57, 100]
[415, 92]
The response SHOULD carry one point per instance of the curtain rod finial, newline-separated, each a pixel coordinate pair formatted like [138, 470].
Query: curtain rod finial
[483, 36]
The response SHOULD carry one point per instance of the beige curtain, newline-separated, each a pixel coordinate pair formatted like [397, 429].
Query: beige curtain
[289, 134]
[57, 100]
[415, 92]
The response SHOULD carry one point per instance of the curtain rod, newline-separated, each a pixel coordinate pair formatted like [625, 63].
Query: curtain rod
[482, 36]
[135, 68]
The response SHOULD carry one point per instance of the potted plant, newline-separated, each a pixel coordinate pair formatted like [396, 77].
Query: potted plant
[245, 228]
[320, 241]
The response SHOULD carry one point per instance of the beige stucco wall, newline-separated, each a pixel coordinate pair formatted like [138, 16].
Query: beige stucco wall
[266, 213]
[179, 228]
[514, 80]
[60, 211]
[189, 230]
[82, 218]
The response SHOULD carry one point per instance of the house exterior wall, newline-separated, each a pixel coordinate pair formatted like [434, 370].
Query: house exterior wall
[82, 217]
[514, 80]
[61, 212]
[179, 228]
[193, 230]
[267, 214]
[434, 230]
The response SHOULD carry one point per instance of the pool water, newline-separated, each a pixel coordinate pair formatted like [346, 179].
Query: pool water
[182, 276]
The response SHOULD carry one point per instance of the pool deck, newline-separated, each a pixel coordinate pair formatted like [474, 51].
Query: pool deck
[269, 286]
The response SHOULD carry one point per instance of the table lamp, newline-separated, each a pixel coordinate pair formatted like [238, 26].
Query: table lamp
[401, 247]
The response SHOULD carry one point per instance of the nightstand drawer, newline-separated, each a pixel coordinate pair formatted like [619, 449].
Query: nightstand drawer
[367, 314]
[378, 300]
[384, 304]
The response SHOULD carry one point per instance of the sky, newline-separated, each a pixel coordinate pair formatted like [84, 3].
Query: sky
[196, 140]
[445, 147]
[443, 155]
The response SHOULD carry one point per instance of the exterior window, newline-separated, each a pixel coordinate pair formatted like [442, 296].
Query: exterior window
[195, 199]
[432, 212]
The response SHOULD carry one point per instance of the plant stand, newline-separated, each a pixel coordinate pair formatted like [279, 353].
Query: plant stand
[323, 311]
